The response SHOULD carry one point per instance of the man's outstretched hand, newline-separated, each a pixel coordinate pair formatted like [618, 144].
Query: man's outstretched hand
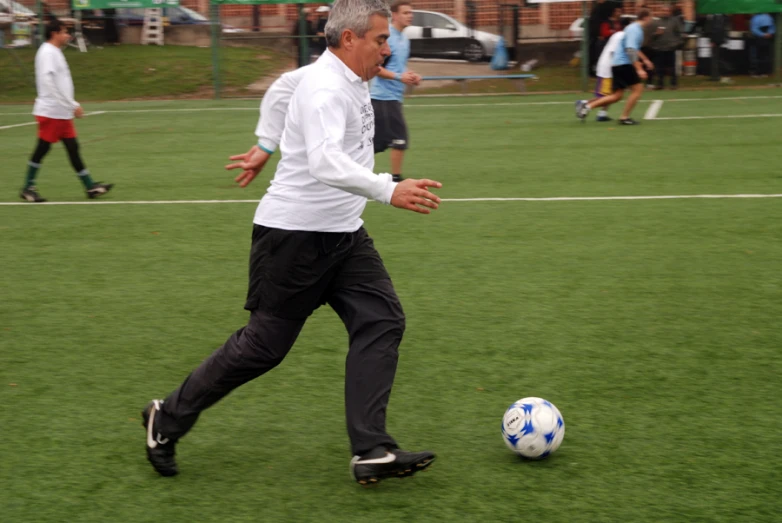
[251, 163]
[414, 195]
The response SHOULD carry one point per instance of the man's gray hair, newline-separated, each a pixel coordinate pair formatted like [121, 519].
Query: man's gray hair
[355, 15]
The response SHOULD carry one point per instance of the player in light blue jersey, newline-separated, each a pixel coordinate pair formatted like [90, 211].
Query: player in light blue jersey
[388, 89]
[627, 70]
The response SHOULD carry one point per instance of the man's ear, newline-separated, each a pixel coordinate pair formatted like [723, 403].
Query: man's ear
[348, 39]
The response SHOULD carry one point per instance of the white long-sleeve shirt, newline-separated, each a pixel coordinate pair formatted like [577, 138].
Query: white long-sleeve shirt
[274, 108]
[54, 84]
[325, 176]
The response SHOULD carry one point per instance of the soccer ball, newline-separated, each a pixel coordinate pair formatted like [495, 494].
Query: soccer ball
[533, 428]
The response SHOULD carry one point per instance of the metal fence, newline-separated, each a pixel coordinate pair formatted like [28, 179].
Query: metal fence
[541, 37]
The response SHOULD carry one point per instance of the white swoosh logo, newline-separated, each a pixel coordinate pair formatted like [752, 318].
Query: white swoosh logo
[153, 442]
[388, 458]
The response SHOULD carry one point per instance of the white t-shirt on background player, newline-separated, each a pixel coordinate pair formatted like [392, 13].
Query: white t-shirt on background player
[54, 84]
[606, 61]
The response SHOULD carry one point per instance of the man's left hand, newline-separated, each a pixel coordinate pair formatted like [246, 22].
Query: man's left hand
[251, 163]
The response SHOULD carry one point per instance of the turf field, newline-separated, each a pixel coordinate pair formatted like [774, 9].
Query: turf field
[653, 324]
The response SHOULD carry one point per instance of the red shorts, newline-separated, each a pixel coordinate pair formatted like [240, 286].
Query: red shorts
[53, 130]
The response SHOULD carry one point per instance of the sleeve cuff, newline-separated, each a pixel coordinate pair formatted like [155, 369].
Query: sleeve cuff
[388, 192]
[267, 146]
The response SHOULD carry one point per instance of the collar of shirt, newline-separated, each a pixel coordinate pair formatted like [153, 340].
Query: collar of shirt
[339, 64]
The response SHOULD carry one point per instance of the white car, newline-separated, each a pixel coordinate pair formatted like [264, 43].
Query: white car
[436, 34]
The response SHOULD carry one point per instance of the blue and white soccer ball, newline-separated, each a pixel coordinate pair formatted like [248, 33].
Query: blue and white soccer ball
[533, 428]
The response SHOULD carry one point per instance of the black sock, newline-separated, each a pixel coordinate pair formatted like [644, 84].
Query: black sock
[72, 146]
[35, 162]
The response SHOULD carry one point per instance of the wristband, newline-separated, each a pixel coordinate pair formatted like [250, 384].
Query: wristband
[264, 149]
[398, 77]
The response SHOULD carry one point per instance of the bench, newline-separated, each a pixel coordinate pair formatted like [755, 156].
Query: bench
[463, 79]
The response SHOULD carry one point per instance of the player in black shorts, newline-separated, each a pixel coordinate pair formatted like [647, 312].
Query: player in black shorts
[388, 88]
[628, 72]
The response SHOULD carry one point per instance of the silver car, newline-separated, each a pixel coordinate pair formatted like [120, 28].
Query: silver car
[436, 34]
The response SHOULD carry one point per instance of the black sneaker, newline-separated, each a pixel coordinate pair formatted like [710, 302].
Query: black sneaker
[160, 450]
[381, 463]
[628, 121]
[99, 189]
[31, 195]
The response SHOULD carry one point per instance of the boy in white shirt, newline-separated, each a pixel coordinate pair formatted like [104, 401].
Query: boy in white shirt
[54, 110]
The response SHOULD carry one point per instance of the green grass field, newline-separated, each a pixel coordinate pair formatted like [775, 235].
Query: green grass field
[138, 71]
[133, 72]
[653, 324]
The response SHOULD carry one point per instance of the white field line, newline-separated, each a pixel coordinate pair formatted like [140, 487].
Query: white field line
[17, 125]
[36, 123]
[549, 199]
[727, 116]
[487, 104]
[653, 110]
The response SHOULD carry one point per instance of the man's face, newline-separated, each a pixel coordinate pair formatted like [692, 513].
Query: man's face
[62, 37]
[371, 51]
[403, 16]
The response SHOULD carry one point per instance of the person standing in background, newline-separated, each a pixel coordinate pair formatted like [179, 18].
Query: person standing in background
[666, 40]
[763, 30]
[320, 29]
[388, 90]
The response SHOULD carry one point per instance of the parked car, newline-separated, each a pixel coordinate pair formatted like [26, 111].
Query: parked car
[179, 15]
[436, 34]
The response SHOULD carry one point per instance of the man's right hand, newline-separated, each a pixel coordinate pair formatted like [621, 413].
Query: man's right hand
[414, 195]
[642, 74]
[251, 163]
[79, 112]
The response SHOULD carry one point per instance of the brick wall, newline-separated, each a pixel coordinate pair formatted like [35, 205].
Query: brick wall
[557, 16]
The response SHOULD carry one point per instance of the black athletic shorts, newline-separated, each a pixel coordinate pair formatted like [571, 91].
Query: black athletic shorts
[292, 273]
[625, 76]
[390, 126]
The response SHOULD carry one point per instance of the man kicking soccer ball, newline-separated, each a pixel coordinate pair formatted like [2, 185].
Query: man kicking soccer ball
[309, 248]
